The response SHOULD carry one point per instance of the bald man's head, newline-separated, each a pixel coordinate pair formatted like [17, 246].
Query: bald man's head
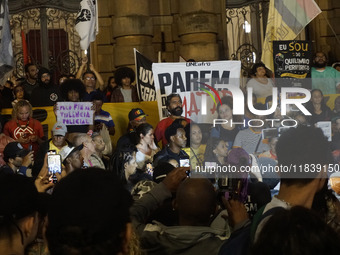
[195, 202]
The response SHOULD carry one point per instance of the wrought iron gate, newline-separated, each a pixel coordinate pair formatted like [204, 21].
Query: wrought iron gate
[51, 40]
[246, 25]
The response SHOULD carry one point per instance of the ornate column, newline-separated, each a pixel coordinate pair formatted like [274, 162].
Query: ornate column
[132, 28]
[198, 28]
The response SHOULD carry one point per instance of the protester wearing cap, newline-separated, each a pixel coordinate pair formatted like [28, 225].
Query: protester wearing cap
[17, 159]
[161, 171]
[19, 218]
[136, 117]
[71, 158]
[175, 110]
[56, 143]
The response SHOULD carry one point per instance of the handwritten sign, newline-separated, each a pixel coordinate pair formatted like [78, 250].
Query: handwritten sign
[75, 113]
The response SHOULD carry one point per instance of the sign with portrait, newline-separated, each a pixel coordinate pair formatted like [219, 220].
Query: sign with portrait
[292, 63]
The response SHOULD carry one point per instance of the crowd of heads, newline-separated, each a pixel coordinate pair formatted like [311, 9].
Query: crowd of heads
[89, 209]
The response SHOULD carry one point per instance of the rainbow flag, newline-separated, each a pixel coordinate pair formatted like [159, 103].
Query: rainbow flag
[286, 19]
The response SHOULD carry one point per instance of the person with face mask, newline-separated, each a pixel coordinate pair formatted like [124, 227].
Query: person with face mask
[175, 109]
[324, 77]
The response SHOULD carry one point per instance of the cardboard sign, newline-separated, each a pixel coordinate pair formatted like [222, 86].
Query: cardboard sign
[75, 113]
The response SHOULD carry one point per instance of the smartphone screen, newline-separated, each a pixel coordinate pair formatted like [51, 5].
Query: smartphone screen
[54, 166]
[184, 162]
[149, 169]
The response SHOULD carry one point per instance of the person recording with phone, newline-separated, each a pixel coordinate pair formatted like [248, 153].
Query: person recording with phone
[17, 159]
[56, 143]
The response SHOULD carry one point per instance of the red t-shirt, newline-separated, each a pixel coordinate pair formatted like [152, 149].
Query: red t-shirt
[162, 126]
[15, 128]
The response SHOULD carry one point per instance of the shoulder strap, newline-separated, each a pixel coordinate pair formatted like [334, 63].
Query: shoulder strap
[258, 143]
[259, 216]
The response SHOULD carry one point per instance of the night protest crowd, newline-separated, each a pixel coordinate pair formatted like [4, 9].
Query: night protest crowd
[139, 195]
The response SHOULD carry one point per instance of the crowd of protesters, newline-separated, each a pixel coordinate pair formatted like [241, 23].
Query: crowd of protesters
[141, 195]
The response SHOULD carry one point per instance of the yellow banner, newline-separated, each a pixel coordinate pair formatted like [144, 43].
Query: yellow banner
[119, 113]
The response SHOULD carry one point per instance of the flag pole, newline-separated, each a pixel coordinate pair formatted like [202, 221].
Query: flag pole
[88, 55]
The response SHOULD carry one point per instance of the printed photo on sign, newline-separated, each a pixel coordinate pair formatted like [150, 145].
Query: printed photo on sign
[196, 82]
[292, 63]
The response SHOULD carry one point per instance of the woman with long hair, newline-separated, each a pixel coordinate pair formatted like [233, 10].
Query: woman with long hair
[216, 151]
[111, 86]
[226, 131]
[318, 108]
[146, 147]
[123, 164]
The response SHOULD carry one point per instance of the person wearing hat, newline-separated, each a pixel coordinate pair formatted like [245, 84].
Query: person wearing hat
[56, 143]
[126, 92]
[17, 159]
[71, 158]
[136, 117]
[20, 211]
[47, 93]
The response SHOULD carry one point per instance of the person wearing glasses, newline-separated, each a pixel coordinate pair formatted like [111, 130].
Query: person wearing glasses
[90, 78]
[324, 78]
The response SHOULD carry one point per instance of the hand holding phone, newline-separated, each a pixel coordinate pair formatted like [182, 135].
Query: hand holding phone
[54, 166]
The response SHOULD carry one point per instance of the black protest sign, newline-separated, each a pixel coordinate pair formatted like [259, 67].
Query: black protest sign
[145, 81]
[292, 63]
